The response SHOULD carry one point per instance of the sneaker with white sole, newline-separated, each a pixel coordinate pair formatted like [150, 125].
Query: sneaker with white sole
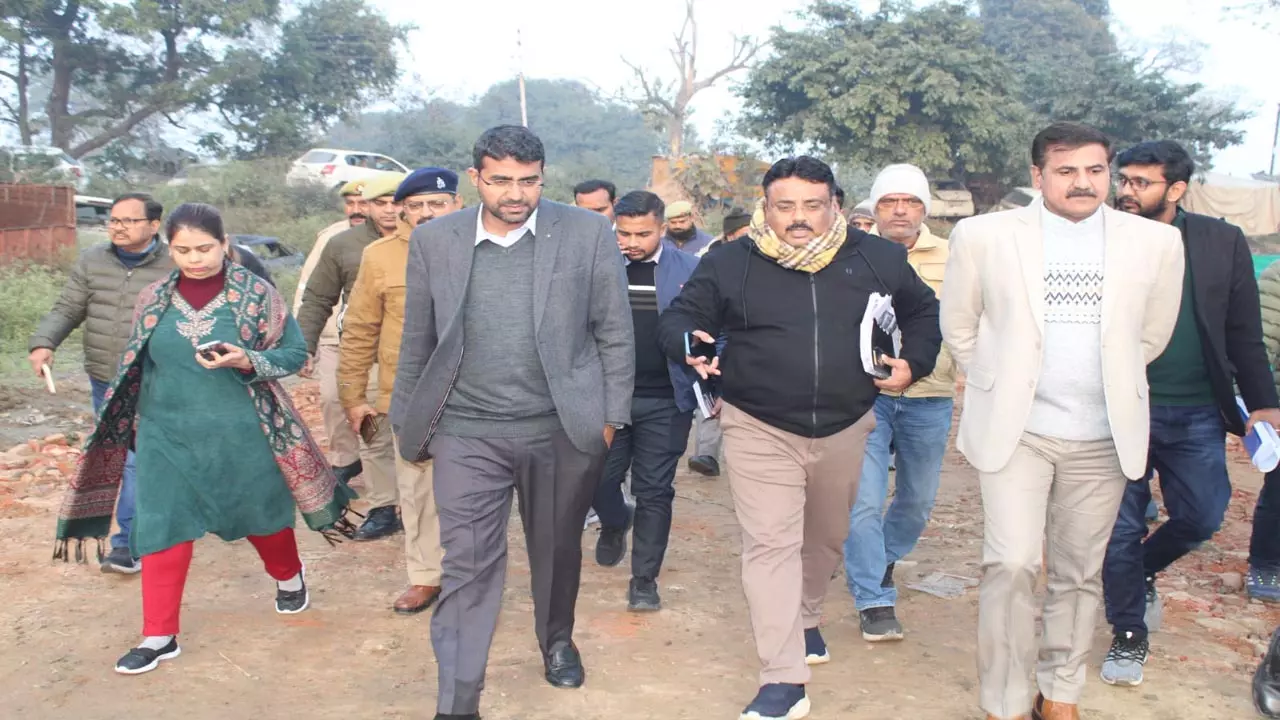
[1263, 584]
[120, 561]
[778, 701]
[815, 648]
[1125, 659]
[880, 624]
[141, 659]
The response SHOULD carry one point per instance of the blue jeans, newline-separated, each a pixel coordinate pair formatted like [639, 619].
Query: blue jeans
[918, 429]
[1264, 544]
[124, 504]
[1188, 451]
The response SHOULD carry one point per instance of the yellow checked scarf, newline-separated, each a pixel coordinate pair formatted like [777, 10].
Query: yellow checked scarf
[811, 258]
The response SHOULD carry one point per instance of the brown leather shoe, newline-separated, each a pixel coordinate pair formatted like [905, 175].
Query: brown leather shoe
[416, 599]
[1050, 710]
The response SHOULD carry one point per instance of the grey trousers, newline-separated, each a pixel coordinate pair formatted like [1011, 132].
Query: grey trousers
[707, 436]
[474, 479]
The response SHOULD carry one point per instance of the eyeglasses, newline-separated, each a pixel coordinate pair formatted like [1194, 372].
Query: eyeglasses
[914, 203]
[1137, 183]
[506, 183]
[419, 205]
[125, 222]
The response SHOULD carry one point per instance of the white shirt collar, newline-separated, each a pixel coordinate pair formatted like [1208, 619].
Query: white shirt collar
[511, 238]
[1049, 220]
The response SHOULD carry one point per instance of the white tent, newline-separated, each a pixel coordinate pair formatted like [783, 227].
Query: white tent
[1253, 205]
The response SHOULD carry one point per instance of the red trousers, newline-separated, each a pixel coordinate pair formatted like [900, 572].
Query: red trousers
[164, 574]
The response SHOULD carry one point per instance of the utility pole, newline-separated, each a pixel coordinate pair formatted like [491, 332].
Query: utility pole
[1275, 137]
[524, 106]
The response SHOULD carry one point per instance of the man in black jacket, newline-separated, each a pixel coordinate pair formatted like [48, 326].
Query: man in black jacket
[1216, 344]
[789, 299]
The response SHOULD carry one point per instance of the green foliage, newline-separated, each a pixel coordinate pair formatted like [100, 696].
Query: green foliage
[27, 291]
[898, 85]
[585, 136]
[110, 67]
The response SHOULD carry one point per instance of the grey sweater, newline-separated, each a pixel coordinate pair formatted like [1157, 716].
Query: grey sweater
[502, 389]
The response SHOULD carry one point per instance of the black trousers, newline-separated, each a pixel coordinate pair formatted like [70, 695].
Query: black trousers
[650, 447]
[474, 479]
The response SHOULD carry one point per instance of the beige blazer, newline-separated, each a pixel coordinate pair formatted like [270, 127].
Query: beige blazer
[992, 320]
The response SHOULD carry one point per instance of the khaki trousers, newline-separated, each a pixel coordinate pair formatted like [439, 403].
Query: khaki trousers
[792, 496]
[1068, 492]
[344, 444]
[422, 551]
[379, 457]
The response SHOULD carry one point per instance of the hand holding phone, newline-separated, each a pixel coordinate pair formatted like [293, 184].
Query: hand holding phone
[879, 368]
[369, 429]
[700, 353]
[210, 350]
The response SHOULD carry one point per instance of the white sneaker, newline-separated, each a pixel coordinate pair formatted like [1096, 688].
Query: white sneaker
[592, 519]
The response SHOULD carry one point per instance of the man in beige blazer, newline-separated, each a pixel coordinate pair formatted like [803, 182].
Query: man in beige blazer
[1053, 312]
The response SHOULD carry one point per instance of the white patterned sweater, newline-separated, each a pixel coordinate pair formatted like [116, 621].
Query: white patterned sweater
[1070, 403]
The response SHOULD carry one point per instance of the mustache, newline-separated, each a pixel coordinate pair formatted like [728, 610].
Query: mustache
[357, 216]
[1080, 192]
[799, 226]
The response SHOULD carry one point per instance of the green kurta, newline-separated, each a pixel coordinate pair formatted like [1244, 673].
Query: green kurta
[204, 464]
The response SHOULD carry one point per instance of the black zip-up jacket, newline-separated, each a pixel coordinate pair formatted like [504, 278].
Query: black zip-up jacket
[792, 355]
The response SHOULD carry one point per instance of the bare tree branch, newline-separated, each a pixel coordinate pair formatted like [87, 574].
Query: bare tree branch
[652, 90]
[11, 76]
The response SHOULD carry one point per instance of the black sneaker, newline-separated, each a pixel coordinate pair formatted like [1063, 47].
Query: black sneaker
[642, 595]
[705, 465]
[778, 701]
[887, 581]
[815, 648]
[121, 561]
[611, 546]
[880, 624]
[1123, 665]
[379, 523]
[140, 660]
[292, 602]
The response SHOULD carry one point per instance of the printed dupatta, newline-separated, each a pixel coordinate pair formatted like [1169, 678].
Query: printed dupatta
[261, 317]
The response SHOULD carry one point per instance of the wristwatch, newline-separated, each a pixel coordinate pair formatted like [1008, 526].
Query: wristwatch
[616, 426]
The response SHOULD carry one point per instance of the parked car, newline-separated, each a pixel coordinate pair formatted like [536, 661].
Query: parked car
[273, 253]
[41, 164]
[92, 210]
[951, 200]
[1016, 198]
[334, 168]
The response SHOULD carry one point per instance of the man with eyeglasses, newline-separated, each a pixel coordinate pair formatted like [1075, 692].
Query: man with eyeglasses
[1216, 346]
[914, 422]
[371, 331]
[329, 289]
[100, 294]
[516, 369]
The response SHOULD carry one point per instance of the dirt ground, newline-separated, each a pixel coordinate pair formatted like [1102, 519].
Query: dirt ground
[62, 625]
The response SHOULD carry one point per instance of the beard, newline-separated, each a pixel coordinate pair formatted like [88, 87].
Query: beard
[511, 213]
[1150, 212]
[682, 235]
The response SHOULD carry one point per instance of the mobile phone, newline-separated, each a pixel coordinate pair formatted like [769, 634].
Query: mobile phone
[879, 368]
[208, 349]
[369, 429]
[693, 347]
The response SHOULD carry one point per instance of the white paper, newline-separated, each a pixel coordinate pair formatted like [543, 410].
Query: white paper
[879, 313]
[706, 400]
[1262, 442]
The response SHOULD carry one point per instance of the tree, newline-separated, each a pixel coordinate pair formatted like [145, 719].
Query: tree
[107, 66]
[1072, 69]
[899, 85]
[667, 102]
[585, 135]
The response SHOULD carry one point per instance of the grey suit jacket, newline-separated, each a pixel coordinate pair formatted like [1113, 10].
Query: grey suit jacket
[581, 316]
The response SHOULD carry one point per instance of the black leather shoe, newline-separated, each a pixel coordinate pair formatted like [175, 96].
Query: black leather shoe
[1266, 681]
[564, 666]
[379, 523]
[705, 465]
[464, 716]
[347, 473]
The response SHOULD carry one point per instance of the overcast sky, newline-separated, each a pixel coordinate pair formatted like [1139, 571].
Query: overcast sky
[463, 48]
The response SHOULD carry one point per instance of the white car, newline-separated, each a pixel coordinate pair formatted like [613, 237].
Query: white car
[335, 168]
[42, 164]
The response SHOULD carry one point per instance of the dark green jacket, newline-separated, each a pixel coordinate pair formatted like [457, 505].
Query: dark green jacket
[331, 281]
[100, 294]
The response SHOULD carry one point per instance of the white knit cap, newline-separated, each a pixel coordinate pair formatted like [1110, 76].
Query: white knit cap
[902, 179]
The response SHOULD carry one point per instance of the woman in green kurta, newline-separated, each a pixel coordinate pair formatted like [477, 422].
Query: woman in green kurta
[219, 447]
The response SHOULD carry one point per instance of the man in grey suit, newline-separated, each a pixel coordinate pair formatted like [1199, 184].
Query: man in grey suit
[536, 293]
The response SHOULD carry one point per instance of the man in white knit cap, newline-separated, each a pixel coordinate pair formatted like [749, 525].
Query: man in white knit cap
[914, 422]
